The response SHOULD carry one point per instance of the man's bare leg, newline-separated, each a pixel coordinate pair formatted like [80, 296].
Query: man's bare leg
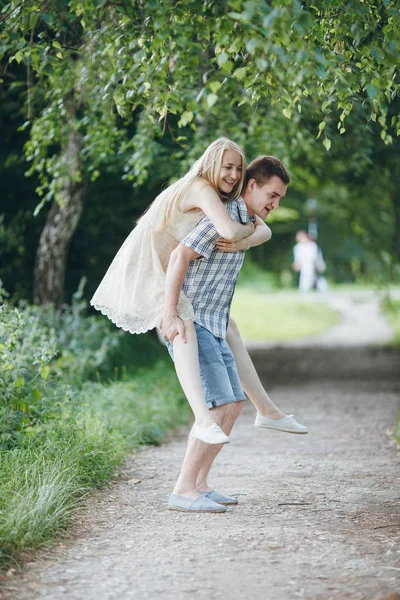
[248, 375]
[228, 418]
[201, 456]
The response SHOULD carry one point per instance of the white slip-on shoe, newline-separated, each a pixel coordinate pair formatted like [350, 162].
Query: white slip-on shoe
[201, 504]
[210, 435]
[287, 423]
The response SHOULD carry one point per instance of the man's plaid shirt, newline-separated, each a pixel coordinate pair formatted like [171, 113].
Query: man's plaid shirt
[211, 279]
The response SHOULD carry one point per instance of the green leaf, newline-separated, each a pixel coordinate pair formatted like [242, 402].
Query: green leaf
[57, 44]
[240, 73]
[214, 86]
[44, 372]
[287, 112]
[227, 66]
[222, 58]
[19, 382]
[327, 143]
[187, 117]
[36, 394]
[371, 91]
[251, 45]
[47, 18]
[211, 100]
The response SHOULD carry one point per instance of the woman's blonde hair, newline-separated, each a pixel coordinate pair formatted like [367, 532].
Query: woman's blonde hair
[207, 166]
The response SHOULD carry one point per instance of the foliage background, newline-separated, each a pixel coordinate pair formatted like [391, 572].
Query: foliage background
[147, 85]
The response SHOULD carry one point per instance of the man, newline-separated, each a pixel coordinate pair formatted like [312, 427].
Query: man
[209, 277]
[308, 261]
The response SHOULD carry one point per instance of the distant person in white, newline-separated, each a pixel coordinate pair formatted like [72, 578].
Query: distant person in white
[309, 262]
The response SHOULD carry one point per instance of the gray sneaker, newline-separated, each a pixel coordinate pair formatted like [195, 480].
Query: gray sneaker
[201, 504]
[220, 498]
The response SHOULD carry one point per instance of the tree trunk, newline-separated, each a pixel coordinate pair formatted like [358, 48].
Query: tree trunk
[60, 226]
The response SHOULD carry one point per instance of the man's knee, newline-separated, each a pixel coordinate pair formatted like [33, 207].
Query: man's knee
[233, 409]
[227, 411]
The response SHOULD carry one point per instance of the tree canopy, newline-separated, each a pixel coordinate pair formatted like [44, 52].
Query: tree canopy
[151, 82]
[158, 62]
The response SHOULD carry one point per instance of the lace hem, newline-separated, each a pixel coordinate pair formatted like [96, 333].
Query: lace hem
[134, 323]
[125, 321]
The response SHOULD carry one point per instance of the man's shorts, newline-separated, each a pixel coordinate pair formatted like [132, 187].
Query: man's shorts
[219, 376]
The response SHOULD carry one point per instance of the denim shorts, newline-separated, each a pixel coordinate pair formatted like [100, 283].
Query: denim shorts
[219, 375]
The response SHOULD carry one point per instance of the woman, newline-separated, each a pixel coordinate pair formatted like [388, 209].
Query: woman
[132, 291]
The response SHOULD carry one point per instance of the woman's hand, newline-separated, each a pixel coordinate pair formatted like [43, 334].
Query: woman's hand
[170, 326]
[250, 227]
[224, 245]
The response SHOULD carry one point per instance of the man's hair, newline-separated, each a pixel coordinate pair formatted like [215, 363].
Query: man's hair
[263, 168]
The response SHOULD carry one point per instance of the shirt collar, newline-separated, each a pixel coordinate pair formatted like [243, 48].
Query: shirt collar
[243, 212]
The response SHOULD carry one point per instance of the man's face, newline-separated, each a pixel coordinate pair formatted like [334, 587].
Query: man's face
[262, 200]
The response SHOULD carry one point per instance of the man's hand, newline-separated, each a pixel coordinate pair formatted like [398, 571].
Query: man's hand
[171, 325]
[224, 245]
[296, 267]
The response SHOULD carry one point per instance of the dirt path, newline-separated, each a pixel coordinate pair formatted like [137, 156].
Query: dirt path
[319, 515]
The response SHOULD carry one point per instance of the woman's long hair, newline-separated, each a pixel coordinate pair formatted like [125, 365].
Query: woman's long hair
[207, 166]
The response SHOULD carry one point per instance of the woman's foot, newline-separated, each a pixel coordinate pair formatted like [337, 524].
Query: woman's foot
[287, 423]
[272, 413]
[212, 434]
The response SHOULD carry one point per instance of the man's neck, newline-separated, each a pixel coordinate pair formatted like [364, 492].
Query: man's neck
[251, 212]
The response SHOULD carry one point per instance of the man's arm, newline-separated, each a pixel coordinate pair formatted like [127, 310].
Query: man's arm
[171, 325]
[200, 242]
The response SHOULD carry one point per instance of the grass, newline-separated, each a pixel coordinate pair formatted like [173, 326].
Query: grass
[279, 316]
[74, 400]
[391, 308]
[43, 479]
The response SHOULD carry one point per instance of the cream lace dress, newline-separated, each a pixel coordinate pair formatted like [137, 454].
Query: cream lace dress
[132, 292]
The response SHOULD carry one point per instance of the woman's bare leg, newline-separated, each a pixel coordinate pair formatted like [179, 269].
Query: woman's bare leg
[248, 375]
[187, 366]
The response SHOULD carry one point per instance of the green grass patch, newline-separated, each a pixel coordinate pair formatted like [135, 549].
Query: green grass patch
[280, 315]
[74, 400]
[391, 308]
[44, 476]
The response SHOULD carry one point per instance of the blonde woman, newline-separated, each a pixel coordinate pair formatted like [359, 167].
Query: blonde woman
[132, 293]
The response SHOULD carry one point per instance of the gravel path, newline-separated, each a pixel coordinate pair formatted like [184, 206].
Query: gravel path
[318, 518]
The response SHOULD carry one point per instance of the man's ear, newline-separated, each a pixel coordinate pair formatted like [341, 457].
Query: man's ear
[251, 184]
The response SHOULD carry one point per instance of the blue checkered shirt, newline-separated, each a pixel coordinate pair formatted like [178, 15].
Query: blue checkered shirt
[211, 279]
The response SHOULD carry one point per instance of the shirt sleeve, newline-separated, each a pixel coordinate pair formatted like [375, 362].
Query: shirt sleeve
[202, 238]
